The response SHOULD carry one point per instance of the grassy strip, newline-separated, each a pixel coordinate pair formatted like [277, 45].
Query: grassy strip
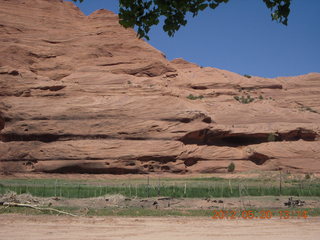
[129, 212]
[176, 191]
[188, 187]
[140, 212]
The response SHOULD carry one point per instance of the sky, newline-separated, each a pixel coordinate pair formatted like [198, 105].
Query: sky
[240, 37]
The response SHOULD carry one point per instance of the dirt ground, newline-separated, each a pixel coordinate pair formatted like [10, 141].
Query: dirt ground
[260, 174]
[21, 227]
[119, 201]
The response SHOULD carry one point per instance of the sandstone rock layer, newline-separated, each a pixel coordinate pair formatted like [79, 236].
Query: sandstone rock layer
[81, 94]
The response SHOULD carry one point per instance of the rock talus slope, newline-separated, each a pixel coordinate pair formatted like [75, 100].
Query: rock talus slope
[81, 94]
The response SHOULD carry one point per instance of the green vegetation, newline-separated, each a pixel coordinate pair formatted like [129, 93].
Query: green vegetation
[272, 137]
[177, 188]
[309, 109]
[247, 76]
[231, 167]
[248, 99]
[139, 212]
[110, 211]
[192, 97]
[144, 14]
[244, 100]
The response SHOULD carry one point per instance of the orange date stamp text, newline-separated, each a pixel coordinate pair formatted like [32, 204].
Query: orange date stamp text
[262, 214]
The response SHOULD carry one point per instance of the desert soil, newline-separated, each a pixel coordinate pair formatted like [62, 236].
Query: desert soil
[119, 201]
[51, 227]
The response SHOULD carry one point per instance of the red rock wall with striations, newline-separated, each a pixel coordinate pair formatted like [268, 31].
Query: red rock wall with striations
[82, 94]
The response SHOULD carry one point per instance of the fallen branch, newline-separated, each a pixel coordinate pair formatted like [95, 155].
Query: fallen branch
[10, 204]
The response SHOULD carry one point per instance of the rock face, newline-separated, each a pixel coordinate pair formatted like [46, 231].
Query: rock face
[81, 94]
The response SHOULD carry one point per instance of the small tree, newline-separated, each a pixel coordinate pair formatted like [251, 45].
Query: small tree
[231, 167]
[307, 176]
[192, 97]
[272, 137]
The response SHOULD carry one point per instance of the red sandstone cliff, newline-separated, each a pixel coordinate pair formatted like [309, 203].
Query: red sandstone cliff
[83, 94]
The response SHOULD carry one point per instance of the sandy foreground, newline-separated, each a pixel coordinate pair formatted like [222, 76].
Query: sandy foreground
[51, 227]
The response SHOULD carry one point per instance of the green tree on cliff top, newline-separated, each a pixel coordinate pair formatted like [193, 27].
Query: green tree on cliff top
[144, 14]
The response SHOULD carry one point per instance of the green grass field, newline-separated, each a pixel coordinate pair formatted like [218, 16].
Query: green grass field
[177, 188]
[139, 212]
